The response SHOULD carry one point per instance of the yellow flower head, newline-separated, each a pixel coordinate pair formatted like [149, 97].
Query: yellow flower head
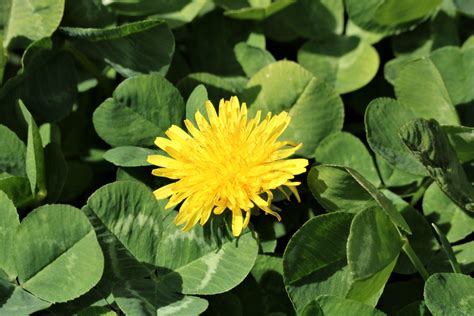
[227, 162]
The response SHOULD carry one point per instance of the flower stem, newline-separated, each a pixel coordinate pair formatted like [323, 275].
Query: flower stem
[415, 260]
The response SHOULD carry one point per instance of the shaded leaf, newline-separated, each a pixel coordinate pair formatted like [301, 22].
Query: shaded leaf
[449, 217]
[131, 49]
[145, 297]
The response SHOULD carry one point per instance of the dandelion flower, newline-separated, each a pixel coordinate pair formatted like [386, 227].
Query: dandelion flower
[227, 162]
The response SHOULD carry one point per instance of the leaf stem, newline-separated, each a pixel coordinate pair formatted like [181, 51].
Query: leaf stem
[415, 260]
[420, 192]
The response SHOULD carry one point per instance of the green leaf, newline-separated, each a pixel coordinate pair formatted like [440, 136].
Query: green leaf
[299, 262]
[347, 63]
[252, 58]
[57, 255]
[35, 163]
[420, 87]
[465, 6]
[16, 188]
[196, 102]
[397, 294]
[343, 189]
[258, 12]
[347, 150]
[174, 12]
[369, 290]
[97, 311]
[383, 119]
[310, 267]
[148, 105]
[130, 212]
[373, 243]
[333, 305]
[8, 227]
[449, 294]
[450, 218]
[393, 67]
[13, 153]
[373, 247]
[119, 264]
[464, 254]
[18, 302]
[422, 239]
[206, 255]
[389, 16]
[145, 297]
[430, 145]
[129, 156]
[182, 15]
[50, 133]
[28, 21]
[286, 86]
[3, 59]
[217, 87]
[131, 49]
[393, 177]
[455, 66]
[312, 309]
[447, 249]
[448, 71]
[353, 29]
[462, 140]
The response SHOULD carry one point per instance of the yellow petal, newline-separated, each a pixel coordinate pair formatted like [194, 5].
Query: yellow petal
[237, 222]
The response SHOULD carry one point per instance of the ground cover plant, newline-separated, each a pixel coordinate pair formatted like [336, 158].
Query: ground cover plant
[247, 157]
